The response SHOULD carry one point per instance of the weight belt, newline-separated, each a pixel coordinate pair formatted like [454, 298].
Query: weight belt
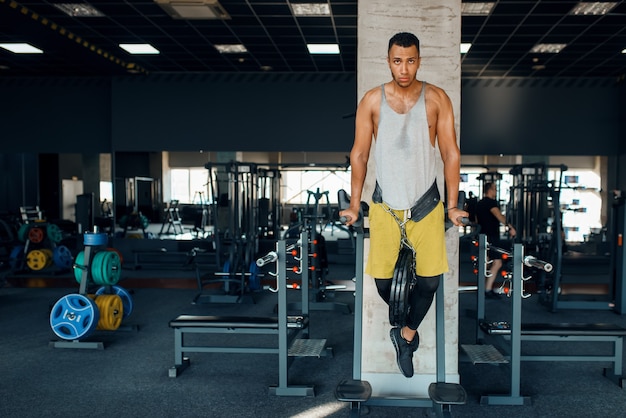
[422, 207]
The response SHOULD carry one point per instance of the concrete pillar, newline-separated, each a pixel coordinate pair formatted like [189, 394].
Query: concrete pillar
[437, 24]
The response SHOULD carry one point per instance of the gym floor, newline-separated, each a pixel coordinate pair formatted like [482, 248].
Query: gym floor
[129, 378]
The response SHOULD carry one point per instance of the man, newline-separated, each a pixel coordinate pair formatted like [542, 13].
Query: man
[407, 118]
[489, 217]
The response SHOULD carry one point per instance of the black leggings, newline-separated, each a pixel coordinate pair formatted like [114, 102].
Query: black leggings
[420, 298]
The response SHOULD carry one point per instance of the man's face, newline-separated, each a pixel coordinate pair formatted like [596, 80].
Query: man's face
[403, 63]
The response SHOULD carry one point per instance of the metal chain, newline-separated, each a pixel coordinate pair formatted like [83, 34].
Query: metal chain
[404, 240]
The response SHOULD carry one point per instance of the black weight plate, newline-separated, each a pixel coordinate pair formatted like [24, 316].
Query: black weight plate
[401, 287]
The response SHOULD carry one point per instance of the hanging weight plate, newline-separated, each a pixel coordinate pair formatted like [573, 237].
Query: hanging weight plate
[22, 233]
[94, 238]
[106, 268]
[111, 312]
[254, 282]
[79, 266]
[74, 316]
[36, 235]
[37, 260]
[54, 233]
[145, 222]
[127, 299]
[401, 287]
[119, 253]
[49, 256]
[62, 257]
[16, 257]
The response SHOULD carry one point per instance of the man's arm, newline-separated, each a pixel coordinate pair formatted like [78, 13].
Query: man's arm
[450, 154]
[359, 155]
[495, 211]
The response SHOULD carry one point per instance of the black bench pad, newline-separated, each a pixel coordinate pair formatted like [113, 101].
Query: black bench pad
[205, 321]
[570, 329]
[557, 329]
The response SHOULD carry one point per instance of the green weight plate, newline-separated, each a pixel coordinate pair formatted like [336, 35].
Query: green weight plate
[54, 233]
[79, 266]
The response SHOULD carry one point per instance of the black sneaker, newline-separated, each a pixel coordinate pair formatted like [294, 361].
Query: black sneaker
[492, 294]
[404, 351]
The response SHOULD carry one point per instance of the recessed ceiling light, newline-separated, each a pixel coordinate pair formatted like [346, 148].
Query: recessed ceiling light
[310, 9]
[477, 9]
[231, 48]
[79, 9]
[547, 48]
[21, 48]
[139, 48]
[266, 68]
[624, 51]
[323, 48]
[465, 47]
[593, 8]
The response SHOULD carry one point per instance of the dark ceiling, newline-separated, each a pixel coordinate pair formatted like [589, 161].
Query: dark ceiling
[276, 40]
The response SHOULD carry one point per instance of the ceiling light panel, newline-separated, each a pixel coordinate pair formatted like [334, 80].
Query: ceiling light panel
[465, 47]
[139, 49]
[594, 8]
[323, 48]
[231, 49]
[310, 9]
[21, 48]
[79, 9]
[547, 48]
[477, 9]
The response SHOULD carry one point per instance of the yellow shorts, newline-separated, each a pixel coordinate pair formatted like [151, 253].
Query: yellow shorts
[426, 236]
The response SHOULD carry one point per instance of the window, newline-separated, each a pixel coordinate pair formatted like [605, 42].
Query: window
[297, 184]
[188, 185]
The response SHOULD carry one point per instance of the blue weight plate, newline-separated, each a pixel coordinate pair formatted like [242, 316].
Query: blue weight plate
[95, 239]
[62, 257]
[17, 257]
[74, 316]
[127, 299]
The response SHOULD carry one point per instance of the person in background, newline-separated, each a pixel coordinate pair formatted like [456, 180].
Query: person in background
[489, 217]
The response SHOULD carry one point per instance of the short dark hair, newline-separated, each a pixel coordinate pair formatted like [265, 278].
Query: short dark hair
[405, 40]
[488, 185]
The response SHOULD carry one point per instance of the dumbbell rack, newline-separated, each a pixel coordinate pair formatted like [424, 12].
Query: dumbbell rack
[92, 242]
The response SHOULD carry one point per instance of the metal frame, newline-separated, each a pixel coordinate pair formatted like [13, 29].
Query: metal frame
[286, 334]
[516, 334]
[440, 410]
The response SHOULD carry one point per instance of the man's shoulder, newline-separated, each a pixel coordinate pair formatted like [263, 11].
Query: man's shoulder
[435, 91]
[372, 96]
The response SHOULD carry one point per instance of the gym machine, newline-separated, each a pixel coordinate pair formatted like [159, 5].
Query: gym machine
[292, 330]
[240, 237]
[514, 331]
[358, 392]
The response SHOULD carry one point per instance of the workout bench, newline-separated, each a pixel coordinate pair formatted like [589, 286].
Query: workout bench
[515, 332]
[288, 328]
[601, 332]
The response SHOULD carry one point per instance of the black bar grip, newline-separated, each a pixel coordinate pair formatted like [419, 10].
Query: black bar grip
[343, 198]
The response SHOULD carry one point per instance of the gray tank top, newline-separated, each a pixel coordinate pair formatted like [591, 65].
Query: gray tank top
[405, 159]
